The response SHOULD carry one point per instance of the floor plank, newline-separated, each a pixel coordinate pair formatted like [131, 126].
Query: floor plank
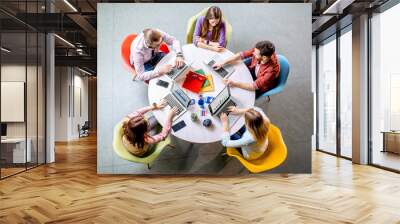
[70, 191]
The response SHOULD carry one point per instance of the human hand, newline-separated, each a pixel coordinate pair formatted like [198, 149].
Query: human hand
[166, 69]
[233, 110]
[217, 48]
[172, 113]
[224, 121]
[133, 75]
[179, 61]
[229, 82]
[217, 66]
[202, 40]
[161, 104]
[214, 44]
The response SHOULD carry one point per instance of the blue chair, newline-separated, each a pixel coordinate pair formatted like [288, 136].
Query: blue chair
[282, 79]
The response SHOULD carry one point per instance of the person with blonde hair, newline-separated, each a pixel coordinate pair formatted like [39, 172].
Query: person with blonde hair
[252, 138]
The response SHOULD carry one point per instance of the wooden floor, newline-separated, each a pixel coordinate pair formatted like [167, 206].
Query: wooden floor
[70, 191]
[10, 171]
[387, 159]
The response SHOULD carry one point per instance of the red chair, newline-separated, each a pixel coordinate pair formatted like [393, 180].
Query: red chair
[126, 51]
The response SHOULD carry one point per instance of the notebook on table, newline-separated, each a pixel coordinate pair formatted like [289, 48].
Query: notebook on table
[210, 86]
[194, 81]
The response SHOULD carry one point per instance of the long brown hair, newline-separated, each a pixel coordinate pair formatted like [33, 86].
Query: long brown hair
[214, 12]
[256, 123]
[135, 130]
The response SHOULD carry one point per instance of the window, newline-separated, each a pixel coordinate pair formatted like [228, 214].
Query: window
[385, 89]
[346, 93]
[22, 66]
[327, 96]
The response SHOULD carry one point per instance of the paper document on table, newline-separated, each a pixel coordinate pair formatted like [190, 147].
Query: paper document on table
[210, 86]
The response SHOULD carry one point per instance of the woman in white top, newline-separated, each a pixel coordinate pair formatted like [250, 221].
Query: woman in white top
[254, 141]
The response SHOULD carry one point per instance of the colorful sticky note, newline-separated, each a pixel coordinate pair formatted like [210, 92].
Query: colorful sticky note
[200, 71]
[210, 87]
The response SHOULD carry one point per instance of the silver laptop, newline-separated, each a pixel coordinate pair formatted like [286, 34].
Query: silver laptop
[224, 71]
[177, 98]
[176, 72]
[221, 103]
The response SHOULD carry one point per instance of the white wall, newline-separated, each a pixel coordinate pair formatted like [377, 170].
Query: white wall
[34, 125]
[13, 73]
[16, 73]
[71, 93]
[61, 103]
[80, 109]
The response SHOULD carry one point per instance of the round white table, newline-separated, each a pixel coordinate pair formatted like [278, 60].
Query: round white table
[195, 131]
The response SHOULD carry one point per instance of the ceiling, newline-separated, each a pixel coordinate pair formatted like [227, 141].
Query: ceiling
[75, 21]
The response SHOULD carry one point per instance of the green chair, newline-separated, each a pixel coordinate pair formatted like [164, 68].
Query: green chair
[121, 151]
[192, 24]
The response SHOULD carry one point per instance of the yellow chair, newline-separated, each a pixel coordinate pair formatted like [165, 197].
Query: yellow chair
[191, 25]
[121, 151]
[274, 156]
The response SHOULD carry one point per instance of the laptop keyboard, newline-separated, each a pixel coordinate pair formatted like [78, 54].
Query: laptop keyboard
[175, 71]
[172, 73]
[222, 71]
[172, 102]
[230, 103]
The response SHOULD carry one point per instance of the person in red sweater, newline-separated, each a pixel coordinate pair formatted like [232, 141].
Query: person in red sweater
[263, 65]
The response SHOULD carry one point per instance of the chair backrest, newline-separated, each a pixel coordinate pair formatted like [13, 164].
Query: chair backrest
[228, 31]
[192, 24]
[86, 125]
[122, 152]
[284, 70]
[274, 156]
[126, 50]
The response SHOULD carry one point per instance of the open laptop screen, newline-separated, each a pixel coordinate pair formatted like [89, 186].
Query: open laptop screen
[180, 95]
[220, 99]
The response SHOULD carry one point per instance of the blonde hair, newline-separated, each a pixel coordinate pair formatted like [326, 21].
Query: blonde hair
[257, 124]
